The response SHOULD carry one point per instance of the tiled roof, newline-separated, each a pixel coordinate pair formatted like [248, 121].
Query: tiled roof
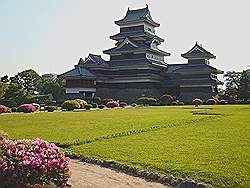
[78, 71]
[93, 60]
[137, 15]
[178, 68]
[198, 52]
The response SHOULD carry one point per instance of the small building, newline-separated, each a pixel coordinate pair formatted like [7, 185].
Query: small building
[50, 76]
[137, 67]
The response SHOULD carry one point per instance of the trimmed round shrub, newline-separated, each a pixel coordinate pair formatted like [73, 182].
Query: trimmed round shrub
[3, 135]
[174, 103]
[223, 102]
[197, 102]
[26, 108]
[3, 109]
[94, 105]
[133, 104]
[31, 162]
[97, 100]
[51, 108]
[37, 106]
[151, 101]
[9, 110]
[123, 104]
[181, 103]
[81, 102]
[112, 104]
[211, 102]
[142, 100]
[166, 99]
[101, 106]
[14, 109]
[71, 105]
[88, 106]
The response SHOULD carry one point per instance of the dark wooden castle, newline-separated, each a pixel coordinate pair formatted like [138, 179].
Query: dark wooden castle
[137, 67]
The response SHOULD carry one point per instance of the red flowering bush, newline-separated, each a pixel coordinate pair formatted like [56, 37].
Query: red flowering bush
[37, 106]
[197, 102]
[3, 109]
[112, 104]
[26, 108]
[30, 162]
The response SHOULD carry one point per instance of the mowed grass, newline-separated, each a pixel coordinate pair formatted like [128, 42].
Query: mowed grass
[211, 146]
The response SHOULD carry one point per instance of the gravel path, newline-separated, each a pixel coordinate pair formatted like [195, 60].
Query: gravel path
[86, 175]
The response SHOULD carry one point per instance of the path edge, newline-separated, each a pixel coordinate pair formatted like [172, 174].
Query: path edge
[133, 171]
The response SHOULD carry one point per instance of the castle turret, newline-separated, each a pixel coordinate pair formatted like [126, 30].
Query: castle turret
[198, 78]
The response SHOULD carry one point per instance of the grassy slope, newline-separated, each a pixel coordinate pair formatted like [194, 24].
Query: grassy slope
[214, 149]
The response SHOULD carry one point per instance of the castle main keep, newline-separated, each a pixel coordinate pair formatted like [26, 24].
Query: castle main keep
[137, 67]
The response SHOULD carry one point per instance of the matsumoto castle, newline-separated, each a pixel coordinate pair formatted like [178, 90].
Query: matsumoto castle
[137, 67]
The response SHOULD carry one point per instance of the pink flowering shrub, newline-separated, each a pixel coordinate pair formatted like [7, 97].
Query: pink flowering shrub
[26, 108]
[37, 106]
[112, 104]
[197, 102]
[30, 162]
[3, 109]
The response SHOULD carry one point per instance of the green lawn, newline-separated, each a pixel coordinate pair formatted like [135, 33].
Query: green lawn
[212, 146]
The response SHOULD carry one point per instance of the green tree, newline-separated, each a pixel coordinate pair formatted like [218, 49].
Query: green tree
[232, 85]
[5, 79]
[3, 87]
[244, 85]
[53, 87]
[15, 95]
[28, 79]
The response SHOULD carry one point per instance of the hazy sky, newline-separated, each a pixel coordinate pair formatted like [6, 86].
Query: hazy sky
[51, 35]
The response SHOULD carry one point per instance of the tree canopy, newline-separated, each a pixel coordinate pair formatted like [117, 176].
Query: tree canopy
[237, 85]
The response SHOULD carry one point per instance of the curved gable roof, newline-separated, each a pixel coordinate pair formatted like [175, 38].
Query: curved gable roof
[137, 15]
[198, 52]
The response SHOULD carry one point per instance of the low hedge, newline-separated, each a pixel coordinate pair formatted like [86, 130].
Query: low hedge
[123, 104]
[71, 105]
[101, 106]
[94, 105]
[88, 106]
[51, 108]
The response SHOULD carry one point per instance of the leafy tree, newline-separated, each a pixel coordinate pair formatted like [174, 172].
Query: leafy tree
[28, 79]
[5, 79]
[15, 95]
[244, 87]
[232, 85]
[53, 87]
[3, 87]
[237, 85]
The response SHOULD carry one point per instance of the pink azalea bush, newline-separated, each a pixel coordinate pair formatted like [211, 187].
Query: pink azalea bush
[112, 104]
[26, 108]
[197, 102]
[30, 162]
[37, 106]
[3, 109]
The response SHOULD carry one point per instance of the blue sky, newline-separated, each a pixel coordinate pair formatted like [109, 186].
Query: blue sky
[51, 35]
